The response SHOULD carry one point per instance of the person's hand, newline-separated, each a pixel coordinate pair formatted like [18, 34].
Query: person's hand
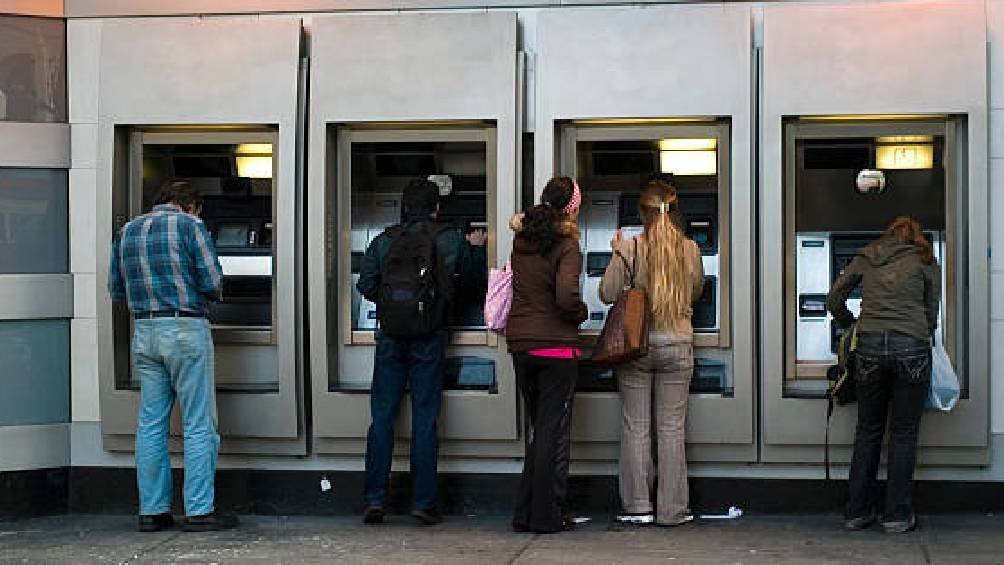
[616, 239]
[477, 238]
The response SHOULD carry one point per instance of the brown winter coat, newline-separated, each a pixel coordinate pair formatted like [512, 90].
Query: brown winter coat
[547, 305]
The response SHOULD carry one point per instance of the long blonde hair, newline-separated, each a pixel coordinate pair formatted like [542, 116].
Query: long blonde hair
[669, 276]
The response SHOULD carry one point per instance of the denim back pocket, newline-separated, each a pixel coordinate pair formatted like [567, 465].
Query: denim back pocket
[866, 368]
[915, 368]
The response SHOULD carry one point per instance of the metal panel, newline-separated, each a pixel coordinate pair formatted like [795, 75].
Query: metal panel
[35, 356]
[34, 145]
[36, 296]
[662, 65]
[147, 78]
[405, 71]
[112, 8]
[34, 447]
[806, 49]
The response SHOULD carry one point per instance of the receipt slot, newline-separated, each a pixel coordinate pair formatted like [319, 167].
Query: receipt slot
[612, 163]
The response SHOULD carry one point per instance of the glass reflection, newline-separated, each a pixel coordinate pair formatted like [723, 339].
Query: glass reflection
[32, 69]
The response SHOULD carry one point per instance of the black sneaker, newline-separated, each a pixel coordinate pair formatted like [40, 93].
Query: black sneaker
[903, 526]
[373, 515]
[155, 522]
[428, 517]
[212, 522]
[859, 522]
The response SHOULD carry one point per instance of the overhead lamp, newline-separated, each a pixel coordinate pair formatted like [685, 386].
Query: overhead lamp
[905, 156]
[688, 144]
[254, 160]
[905, 139]
[685, 163]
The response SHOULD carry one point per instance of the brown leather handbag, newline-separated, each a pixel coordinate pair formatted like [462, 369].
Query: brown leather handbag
[625, 333]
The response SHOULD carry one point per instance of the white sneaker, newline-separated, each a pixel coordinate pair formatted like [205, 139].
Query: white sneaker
[638, 518]
[683, 520]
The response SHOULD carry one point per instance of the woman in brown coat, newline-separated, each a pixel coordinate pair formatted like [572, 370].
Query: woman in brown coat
[668, 265]
[542, 334]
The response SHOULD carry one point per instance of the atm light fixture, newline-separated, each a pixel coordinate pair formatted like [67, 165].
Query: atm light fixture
[905, 156]
[688, 144]
[904, 139]
[254, 160]
[685, 163]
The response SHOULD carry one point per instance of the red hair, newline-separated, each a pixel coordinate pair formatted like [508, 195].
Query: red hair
[908, 230]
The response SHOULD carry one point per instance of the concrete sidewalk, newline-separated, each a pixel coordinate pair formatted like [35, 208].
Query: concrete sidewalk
[752, 539]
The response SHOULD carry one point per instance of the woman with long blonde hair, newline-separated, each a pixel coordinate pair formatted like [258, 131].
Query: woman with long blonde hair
[667, 264]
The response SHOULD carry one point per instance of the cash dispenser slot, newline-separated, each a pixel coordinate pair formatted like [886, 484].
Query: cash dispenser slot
[710, 377]
[466, 372]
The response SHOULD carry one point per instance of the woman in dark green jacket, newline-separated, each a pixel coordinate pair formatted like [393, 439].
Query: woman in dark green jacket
[901, 288]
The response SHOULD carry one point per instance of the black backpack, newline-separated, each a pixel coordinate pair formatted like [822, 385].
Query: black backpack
[415, 290]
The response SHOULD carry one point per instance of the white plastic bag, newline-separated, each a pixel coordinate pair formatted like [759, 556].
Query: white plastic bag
[944, 390]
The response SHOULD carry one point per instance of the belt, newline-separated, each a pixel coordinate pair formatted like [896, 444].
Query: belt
[166, 314]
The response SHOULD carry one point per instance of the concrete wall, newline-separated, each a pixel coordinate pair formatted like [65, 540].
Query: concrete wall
[84, 38]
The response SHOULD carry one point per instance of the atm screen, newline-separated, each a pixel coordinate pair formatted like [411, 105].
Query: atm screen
[232, 235]
[596, 263]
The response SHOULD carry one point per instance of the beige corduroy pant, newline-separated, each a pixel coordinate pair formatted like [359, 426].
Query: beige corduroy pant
[656, 386]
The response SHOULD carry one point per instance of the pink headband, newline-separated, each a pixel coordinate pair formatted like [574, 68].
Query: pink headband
[575, 202]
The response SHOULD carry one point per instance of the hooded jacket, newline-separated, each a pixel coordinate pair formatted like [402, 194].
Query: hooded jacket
[547, 305]
[900, 293]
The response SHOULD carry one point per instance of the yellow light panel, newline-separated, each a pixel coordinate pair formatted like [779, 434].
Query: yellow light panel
[254, 149]
[905, 139]
[915, 156]
[688, 162]
[257, 167]
[865, 117]
[688, 144]
[633, 121]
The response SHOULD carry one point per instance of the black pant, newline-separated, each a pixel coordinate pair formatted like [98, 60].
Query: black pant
[893, 373]
[547, 386]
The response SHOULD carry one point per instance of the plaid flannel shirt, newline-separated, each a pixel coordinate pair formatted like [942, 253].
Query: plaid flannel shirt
[165, 260]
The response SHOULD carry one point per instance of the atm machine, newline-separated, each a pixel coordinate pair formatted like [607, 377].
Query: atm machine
[379, 173]
[611, 174]
[847, 190]
[235, 181]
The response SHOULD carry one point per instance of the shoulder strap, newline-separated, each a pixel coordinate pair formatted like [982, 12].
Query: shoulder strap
[631, 269]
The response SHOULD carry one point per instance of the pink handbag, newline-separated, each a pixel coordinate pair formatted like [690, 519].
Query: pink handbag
[498, 299]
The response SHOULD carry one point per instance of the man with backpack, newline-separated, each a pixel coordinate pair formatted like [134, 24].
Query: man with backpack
[408, 271]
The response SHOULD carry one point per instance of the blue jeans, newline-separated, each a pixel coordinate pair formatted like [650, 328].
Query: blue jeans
[418, 364]
[173, 358]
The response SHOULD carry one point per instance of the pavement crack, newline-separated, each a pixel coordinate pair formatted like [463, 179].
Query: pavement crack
[926, 552]
[150, 548]
[522, 550]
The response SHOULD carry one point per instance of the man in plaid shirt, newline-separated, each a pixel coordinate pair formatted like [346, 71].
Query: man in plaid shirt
[165, 266]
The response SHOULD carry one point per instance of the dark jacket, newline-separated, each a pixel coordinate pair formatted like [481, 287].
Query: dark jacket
[547, 305]
[900, 293]
[460, 259]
